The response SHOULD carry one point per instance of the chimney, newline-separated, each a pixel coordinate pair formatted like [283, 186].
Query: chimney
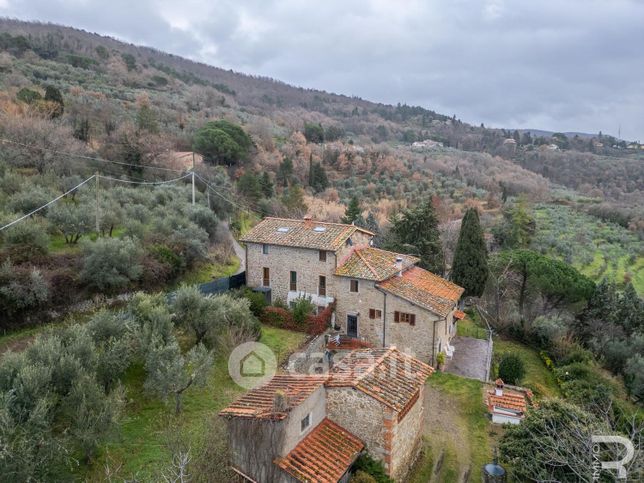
[399, 265]
[499, 387]
[308, 221]
[280, 401]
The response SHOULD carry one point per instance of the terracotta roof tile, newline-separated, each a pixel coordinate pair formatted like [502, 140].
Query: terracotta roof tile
[424, 289]
[459, 314]
[388, 375]
[258, 402]
[324, 455]
[373, 264]
[509, 400]
[317, 235]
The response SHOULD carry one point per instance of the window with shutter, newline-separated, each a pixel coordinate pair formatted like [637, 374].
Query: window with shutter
[396, 316]
[412, 319]
[372, 313]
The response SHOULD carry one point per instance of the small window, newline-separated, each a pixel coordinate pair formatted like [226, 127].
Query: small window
[320, 309]
[266, 277]
[322, 286]
[323, 255]
[265, 249]
[375, 314]
[293, 287]
[353, 286]
[305, 423]
[405, 318]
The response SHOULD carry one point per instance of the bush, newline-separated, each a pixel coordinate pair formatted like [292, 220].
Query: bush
[27, 240]
[302, 308]
[372, 467]
[320, 322]
[257, 301]
[278, 317]
[111, 263]
[362, 477]
[511, 369]
[21, 289]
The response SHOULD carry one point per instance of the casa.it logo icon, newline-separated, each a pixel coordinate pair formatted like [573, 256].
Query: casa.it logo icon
[618, 466]
[252, 364]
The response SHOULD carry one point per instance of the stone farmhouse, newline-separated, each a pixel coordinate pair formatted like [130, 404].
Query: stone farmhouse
[381, 297]
[312, 428]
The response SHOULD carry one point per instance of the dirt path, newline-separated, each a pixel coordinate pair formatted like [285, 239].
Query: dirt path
[240, 252]
[447, 435]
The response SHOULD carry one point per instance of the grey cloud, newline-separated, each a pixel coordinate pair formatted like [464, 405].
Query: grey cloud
[574, 65]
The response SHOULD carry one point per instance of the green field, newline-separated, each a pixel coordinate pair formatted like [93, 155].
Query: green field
[458, 436]
[596, 248]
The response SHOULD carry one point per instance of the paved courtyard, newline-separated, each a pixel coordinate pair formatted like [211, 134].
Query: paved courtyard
[470, 358]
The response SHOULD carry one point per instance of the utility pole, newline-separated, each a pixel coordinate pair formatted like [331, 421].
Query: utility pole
[193, 178]
[98, 207]
[208, 193]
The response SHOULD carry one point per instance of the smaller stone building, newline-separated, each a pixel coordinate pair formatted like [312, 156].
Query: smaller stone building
[507, 406]
[312, 428]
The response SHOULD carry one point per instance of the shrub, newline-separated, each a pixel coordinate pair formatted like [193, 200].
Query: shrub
[440, 358]
[21, 289]
[278, 317]
[302, 308]
[320, 322]
[373, 467]
[26, 241]
[511, 369]
[362, 477]
[257, 301]
[111, 263]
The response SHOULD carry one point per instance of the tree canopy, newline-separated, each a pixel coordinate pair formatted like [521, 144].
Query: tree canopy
[222, 142]
[470, 268]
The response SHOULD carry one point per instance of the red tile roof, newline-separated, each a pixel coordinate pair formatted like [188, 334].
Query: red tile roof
[313, 234]
[387, 375]
[258, 402]
[424, 289]
[324, 455]
[513, 400]
[373, 264]
[459, 314]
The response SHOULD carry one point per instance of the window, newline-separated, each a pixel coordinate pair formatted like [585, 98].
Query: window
[375, 314]
[265, 249]
[320, 309]
[322, 286]
[405, 318]
[323, 255]
[353, 286]
[305, 423]
[267, 278]
[293, 287]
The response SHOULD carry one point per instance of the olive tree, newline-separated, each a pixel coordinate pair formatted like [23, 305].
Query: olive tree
[111, 263]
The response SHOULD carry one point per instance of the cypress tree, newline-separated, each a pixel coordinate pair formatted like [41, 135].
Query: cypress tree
[415, 232]
[470, 268]
[352, 213]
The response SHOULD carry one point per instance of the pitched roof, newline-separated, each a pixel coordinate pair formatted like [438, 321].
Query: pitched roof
[459, 314]
[387, 375]
[301, 233]
[373, 264]
[258, 402]
[324, 455]
[424, 289]
[513, 400]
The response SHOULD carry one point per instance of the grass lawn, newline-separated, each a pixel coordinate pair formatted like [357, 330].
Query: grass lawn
[538, 377]
[468, 328]
[458, 434]
[57, 242]
[140, 444]
[206, 272]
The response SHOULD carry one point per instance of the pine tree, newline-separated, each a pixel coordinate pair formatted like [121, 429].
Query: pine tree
[53, 95]
[470, 268]
[352, 212]
[415, 232]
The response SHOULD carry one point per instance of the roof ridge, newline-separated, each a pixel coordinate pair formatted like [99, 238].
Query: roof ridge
[357, 252]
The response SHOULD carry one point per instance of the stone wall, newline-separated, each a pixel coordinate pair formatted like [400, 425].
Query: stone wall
[281, 261]
[359, 414]
[406, 438]
[311, 359]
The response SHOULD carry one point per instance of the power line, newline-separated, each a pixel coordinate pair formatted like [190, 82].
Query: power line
[244, 208]
[89, 158]
[47, 204]
[154, 183]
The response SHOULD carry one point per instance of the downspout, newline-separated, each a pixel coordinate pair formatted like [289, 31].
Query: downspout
[384, 315]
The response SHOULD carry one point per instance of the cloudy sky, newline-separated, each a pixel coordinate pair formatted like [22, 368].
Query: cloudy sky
[562, 65]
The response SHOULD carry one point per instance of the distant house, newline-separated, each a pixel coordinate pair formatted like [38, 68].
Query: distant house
[426, 144]
[381, 297]
[302, 428]
[510, 142]
[507, 406]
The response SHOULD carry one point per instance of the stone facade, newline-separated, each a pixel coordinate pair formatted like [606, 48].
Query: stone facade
[393, 442]
[415, 340]
[280, 261]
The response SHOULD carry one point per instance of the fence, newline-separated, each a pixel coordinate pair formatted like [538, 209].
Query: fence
[223, 284]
